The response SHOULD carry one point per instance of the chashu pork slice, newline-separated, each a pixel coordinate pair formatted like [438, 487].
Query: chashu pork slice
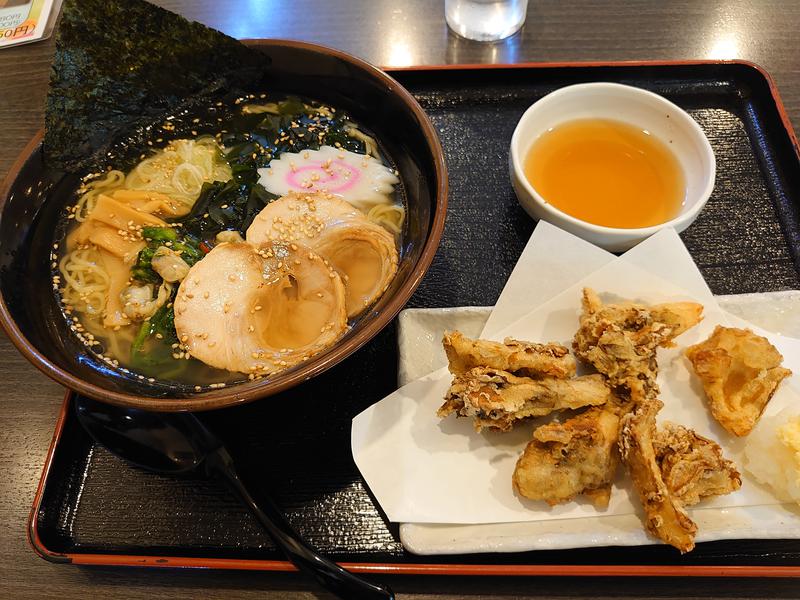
[259, 309]
[361, 251]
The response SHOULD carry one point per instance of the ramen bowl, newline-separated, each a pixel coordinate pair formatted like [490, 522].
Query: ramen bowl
[32, 199]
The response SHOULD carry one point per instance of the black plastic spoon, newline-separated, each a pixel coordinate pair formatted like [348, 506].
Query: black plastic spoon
[175, 443]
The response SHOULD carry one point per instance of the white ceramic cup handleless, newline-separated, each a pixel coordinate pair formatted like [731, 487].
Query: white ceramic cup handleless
[640, 108]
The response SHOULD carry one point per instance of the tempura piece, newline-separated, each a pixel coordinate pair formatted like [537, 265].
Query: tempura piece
[692, 466]
[578, 456]
[497, 399]
[521, 358]
[620, 340]
[740, 372]
[664, 514]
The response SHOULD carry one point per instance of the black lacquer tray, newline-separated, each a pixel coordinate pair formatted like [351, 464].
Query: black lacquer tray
[92, 508]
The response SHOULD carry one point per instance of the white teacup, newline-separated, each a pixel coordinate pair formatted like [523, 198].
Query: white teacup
[627, 104]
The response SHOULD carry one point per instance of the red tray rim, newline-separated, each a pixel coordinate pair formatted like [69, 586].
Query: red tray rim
[421, 568]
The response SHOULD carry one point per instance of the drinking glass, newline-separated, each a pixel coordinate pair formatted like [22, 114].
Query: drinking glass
[485, 20]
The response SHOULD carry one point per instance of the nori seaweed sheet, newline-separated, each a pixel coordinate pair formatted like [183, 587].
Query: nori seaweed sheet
[121, 64]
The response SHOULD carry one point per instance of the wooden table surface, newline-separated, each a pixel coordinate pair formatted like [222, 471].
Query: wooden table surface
[388, 33]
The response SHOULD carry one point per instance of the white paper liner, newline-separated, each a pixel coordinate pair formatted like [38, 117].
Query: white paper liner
[416, 465]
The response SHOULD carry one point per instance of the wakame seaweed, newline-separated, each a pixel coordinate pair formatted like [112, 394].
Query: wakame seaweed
[226, 206]
[120, 65]
[245, 157]
[297, 126]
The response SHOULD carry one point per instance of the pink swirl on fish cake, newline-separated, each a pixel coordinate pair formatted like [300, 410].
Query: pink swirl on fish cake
[338, 177]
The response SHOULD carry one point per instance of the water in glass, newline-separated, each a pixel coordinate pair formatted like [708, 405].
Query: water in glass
[485, 20]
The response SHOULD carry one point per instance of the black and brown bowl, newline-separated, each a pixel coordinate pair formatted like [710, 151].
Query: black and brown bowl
[32, 199]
